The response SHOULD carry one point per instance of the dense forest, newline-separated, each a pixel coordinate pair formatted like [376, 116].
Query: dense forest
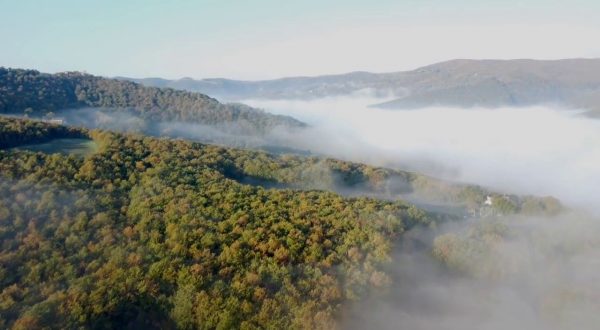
[29, 92]
[160, 233]
[157, 233]
[355, 179]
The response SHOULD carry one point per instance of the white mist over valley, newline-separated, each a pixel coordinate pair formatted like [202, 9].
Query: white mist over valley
[541, 150]
[543, 273]
[326, 165]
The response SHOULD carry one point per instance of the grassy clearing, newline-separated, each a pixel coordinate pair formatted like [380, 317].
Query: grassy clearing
[80, 147]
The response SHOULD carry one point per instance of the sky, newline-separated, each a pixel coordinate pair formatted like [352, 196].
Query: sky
[264, 39]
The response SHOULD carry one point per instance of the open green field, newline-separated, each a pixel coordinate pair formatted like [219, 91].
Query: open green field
[80, 147]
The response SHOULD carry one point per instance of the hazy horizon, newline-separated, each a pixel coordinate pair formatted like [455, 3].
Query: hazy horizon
[265, 40]
[353, 71]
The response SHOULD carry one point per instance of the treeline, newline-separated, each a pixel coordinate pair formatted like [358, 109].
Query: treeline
[38, 94]
[152, 233]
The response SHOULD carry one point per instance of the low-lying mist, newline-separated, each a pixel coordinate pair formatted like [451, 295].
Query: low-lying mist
[512, 272]
[508, 273]
[534, 150]
[496, 272]
[237, 133]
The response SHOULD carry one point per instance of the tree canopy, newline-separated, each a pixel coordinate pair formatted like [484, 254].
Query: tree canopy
[29, 92]
[156, 233]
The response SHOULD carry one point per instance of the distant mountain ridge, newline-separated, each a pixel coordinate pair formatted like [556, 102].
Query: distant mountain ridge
[573, 83]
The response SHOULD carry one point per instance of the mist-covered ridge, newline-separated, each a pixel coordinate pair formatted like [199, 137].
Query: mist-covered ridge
[572, 83]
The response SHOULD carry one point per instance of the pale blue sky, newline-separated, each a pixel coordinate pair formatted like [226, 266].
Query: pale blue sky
[268, 38]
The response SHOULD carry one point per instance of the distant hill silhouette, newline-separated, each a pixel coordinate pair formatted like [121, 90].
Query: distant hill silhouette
[572, 83]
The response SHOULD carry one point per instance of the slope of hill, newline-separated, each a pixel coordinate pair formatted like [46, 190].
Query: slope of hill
[150, 233]
[37, 94]
[155, 233]
[464, 83]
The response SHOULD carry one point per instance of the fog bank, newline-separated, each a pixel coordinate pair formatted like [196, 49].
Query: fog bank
[511, 272]
[492, 274]
[534, 150]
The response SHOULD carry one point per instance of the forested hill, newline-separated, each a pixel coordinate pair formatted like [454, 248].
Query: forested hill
[154, 233]
[157, 233]
[39, 94]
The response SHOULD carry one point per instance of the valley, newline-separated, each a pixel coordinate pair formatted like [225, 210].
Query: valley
[154, 208]
[302, 165]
